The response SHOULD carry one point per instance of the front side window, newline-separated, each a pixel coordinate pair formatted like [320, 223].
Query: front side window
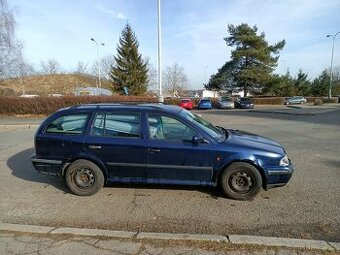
[203, 124]
[167, 128]
[68, 124]
[117, 125]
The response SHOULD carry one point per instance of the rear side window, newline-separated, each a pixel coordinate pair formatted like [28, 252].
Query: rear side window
[117, 125]
[68, 124]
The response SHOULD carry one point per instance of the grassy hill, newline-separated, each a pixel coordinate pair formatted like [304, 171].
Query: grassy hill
[48, 84]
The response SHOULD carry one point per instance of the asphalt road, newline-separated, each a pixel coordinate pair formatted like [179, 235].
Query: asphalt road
[308, 207]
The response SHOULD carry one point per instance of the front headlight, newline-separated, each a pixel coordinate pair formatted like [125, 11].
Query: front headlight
[284, 161]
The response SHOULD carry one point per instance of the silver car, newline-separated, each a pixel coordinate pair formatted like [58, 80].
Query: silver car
[295, 100]
[225, 103]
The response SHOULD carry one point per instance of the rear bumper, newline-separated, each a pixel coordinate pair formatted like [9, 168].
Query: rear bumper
[47, 166]
[204, 107]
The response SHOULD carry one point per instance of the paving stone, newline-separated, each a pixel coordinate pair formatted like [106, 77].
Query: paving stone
[74, 248]
[151, 250]
[286, 252]
[119, 246]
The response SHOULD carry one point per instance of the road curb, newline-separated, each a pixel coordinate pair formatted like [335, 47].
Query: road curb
[17, 126]
[93, 232]
[186, 237]
[281, 242]
[232, 239]
[293, 113]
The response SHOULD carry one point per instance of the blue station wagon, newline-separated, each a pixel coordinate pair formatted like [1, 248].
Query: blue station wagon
[92, 145]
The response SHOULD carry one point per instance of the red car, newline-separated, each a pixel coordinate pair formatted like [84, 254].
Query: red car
[186, 104]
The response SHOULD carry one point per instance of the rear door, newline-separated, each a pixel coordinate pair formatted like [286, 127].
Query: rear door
[116, 139]
[63, 137]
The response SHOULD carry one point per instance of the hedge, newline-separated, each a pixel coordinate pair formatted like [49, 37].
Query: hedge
[48, 105]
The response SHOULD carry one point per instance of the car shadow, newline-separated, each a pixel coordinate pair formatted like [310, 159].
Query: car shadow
[212, 192]
[21, 167]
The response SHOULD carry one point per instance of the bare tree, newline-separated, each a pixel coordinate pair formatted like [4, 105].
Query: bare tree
[152, 75]
[104, 64]
[81, 68]
[10, 48]
[50, 66]
[174, 79]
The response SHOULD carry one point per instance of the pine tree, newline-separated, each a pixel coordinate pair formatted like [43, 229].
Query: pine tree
[130, 70]
[252, 61]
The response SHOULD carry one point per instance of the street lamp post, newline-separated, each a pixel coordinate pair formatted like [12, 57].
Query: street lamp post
[331, 70]
[98, 67]
[160, 96]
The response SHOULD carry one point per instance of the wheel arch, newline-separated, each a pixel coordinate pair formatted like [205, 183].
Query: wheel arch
[94, 160]
[259, 168]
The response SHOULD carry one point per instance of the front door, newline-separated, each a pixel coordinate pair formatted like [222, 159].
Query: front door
[172, 156]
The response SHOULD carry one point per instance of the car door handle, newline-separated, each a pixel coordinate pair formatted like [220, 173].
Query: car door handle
[154, 150]
[95, 146]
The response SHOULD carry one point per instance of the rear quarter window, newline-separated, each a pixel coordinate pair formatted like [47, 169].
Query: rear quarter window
[68, 124]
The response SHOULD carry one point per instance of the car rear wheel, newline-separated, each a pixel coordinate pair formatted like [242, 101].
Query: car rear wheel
[84, 178]
[241, 181]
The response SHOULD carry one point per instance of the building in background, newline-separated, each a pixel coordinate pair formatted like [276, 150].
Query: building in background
[92, 91]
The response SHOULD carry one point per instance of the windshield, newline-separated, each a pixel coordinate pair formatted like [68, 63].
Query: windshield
[212, 130]
[225, 99]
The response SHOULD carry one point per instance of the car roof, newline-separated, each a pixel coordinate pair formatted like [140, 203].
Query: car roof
[114, 106]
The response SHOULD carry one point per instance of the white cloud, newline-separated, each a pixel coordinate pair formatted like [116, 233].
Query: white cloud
[121, 16]
[117, 15]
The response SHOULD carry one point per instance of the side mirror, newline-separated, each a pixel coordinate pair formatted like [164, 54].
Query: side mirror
[197, 140]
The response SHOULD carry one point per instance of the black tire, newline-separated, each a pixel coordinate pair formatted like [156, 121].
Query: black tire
[84, 178]
[241, 181]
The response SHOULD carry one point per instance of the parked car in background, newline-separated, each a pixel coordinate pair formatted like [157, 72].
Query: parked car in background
[244, 103]
[204, 103]
[225, 103]
[295, 100]
[186, 104]
[91, 145]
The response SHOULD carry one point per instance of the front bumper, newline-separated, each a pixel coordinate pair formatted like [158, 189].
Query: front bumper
[47, 166]
[279, 176]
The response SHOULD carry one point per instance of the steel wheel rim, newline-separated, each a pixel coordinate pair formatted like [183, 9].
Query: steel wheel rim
[84, 178]
[241, 182]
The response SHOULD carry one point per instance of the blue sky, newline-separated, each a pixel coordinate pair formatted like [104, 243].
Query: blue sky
[192, 31]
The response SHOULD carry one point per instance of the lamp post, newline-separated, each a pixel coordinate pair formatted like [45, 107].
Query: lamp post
[98, 67]
[331, 71]
[205, 74]
[160, 96]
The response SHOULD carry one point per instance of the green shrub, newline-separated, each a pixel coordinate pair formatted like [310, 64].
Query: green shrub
[327, 100]
[317, 102]
[269, 100]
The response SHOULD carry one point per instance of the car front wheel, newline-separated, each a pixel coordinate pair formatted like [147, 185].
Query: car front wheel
[241, 181]
[84, 178]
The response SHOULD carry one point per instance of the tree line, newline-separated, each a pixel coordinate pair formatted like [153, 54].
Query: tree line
[252, 64]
